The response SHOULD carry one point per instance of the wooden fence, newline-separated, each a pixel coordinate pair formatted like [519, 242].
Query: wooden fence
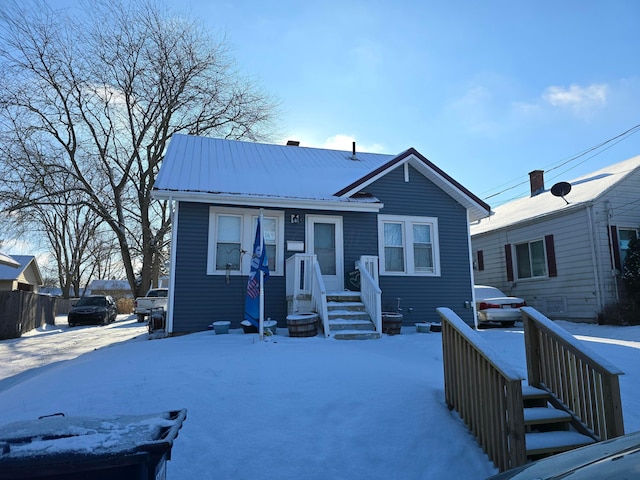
[23, 311]
[578, 380]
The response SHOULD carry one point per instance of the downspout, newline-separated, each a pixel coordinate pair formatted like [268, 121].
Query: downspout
[471, 274]
[594, 258]
[172, 265]
[611, 250]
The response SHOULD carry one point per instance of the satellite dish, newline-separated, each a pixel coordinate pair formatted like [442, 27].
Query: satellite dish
[561, 189]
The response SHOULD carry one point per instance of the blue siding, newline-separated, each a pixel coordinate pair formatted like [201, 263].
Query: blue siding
[420, 296]
[201, 299]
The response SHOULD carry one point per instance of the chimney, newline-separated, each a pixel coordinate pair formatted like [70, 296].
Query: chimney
[293, 143]
[353, 156]
[536, 180]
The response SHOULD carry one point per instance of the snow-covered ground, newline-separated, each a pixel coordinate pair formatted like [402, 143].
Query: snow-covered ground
[282, 408]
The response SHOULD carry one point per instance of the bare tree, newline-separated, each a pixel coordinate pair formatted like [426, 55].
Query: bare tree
[88, 105]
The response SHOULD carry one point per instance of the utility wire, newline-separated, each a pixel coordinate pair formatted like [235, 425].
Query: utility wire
[619, 138]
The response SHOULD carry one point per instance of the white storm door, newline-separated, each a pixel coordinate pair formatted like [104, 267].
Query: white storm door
[324, 239]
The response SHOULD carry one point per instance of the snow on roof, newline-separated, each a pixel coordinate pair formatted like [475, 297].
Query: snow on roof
[217, 166]
[584, 190]
[7, 260]
[8, 272]
[201, 167]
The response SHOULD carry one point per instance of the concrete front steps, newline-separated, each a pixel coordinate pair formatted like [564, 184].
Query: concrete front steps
[348, 318]
[547, 429]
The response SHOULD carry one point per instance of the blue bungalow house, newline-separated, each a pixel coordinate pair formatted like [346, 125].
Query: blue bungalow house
[392, 229]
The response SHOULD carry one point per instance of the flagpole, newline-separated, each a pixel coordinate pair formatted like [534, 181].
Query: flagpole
[261, 280]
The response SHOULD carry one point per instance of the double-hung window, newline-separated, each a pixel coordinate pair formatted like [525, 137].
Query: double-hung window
[231, 236]
[408, 245]
[625, 235]
[228, 241]
[531, 259]
[270, 232]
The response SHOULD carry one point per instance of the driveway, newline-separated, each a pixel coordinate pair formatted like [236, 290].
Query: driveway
[29, 355]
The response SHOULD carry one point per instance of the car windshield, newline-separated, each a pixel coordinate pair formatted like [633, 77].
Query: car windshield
[488, 292]
[92, 302]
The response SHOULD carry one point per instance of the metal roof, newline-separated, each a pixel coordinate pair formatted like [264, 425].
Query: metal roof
[584, 190]
[210, 169]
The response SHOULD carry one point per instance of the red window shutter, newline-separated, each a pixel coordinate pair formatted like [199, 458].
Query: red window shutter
[615, 247]
[480, 260]
[551, 255]
[509, 260]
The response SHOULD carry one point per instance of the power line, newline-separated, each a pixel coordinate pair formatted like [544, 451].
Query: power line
[619, 138]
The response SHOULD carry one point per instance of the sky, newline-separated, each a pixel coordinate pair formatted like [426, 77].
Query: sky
[488, 91]
[286, 408]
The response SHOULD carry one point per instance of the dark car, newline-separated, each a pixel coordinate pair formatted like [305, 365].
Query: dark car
[95, 309]
[618, 458]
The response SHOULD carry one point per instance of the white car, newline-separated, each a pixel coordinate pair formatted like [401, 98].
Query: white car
[494, 306]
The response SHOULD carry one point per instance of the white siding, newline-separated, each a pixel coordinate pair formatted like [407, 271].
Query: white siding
[586, 280]
[571, 293]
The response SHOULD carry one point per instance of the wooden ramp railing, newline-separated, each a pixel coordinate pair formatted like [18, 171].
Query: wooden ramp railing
[485, 391]
[579, 380]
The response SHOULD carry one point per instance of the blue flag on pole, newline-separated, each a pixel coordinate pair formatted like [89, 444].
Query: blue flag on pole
[259, 263]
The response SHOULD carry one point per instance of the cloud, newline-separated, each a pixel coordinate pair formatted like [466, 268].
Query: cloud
[339, 141]
[345, 142]
[580, 100]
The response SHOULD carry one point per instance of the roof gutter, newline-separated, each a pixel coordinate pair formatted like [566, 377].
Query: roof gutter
[534, 219]
[261, 201]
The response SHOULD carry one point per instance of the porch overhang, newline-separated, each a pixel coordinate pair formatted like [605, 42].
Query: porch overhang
[338, 204]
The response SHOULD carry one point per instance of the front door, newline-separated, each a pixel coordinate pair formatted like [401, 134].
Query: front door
[324, 239]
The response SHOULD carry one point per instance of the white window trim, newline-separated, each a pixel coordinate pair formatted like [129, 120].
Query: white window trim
[407, 222]
[624, 250]
[515, 258]
[247, 237]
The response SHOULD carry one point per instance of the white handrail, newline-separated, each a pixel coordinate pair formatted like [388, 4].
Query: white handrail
[370, 292]
[299, 277]
[319, 297]
[370, 263]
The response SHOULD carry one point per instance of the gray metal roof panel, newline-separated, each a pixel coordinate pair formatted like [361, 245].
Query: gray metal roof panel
[201, 164]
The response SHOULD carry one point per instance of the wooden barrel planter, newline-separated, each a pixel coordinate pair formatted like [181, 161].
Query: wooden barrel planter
[391, 323]
[302, 324]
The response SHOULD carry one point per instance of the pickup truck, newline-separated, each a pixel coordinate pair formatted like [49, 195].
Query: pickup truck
[155, 298]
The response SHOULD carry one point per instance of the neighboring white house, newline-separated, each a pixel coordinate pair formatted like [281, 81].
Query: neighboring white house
[562, 254]
[26, 276]
[7, 260]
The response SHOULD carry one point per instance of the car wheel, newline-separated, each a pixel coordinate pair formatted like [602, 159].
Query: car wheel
[140, 318]
[508, 324]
